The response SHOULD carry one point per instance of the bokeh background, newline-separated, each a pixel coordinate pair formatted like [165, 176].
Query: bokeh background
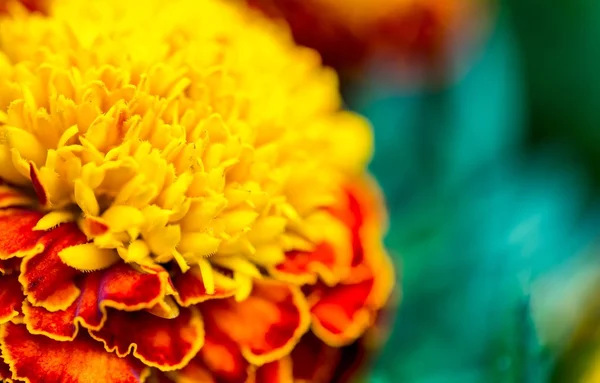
[491, 176]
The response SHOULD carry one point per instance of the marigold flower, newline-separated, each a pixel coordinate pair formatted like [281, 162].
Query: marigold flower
[346, 33]
[182, 199]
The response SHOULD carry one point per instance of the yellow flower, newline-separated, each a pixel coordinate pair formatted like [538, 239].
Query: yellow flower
[180, 190]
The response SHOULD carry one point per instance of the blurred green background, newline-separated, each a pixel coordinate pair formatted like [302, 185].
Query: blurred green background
[492, 185]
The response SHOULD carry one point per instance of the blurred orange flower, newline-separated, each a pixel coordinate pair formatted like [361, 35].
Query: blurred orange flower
[346, 33]
[31, 5]
[182, 199]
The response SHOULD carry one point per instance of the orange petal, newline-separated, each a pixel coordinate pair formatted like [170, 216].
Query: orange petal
[314, 361]
[217, 363]
[342, 314]
[47, 281]
[220, 358]
[11, 298]
[371, 260]
[267, 325]
[279, 371]
[304, 267]
[18, 239]
[94, 226]
[167, 344]
[363, 206]
[119, 287]
[35, 357]
[191, 290]
[364, 202]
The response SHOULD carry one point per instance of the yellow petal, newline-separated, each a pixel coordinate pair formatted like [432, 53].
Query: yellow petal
[237, 263]
[167, 308]
[163, 241]
[198, 244]
[122, 218]
[181, 262]
[244, 283]
[54, 219]
[85, 198]
[137, 252]
[267, 229]
[269, 255]
[239, 220]
[208, 276]
[67, 135]
[26, 144]
[353, 138]
[88, 257]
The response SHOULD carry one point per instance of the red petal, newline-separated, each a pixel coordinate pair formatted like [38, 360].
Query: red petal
[190, 287]
[232, 370]
[34, 358]
[279, 371]
[167, 344]
[342, 314]
[5, 373]
[18, 239]
[11, 297]
[304, 267]
[221, 358]
[46, 280]
[119, 286]
[39, 189]
[353, 213]
[267, 325]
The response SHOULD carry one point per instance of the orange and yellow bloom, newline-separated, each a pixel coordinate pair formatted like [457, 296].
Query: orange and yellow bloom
[182, 199]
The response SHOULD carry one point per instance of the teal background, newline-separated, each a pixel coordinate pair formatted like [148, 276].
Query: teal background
[491, 182]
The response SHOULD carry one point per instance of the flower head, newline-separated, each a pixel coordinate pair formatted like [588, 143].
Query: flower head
[182, 197]
[349, 32]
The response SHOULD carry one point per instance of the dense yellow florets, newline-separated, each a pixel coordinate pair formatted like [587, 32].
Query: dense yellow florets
[202, 136]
